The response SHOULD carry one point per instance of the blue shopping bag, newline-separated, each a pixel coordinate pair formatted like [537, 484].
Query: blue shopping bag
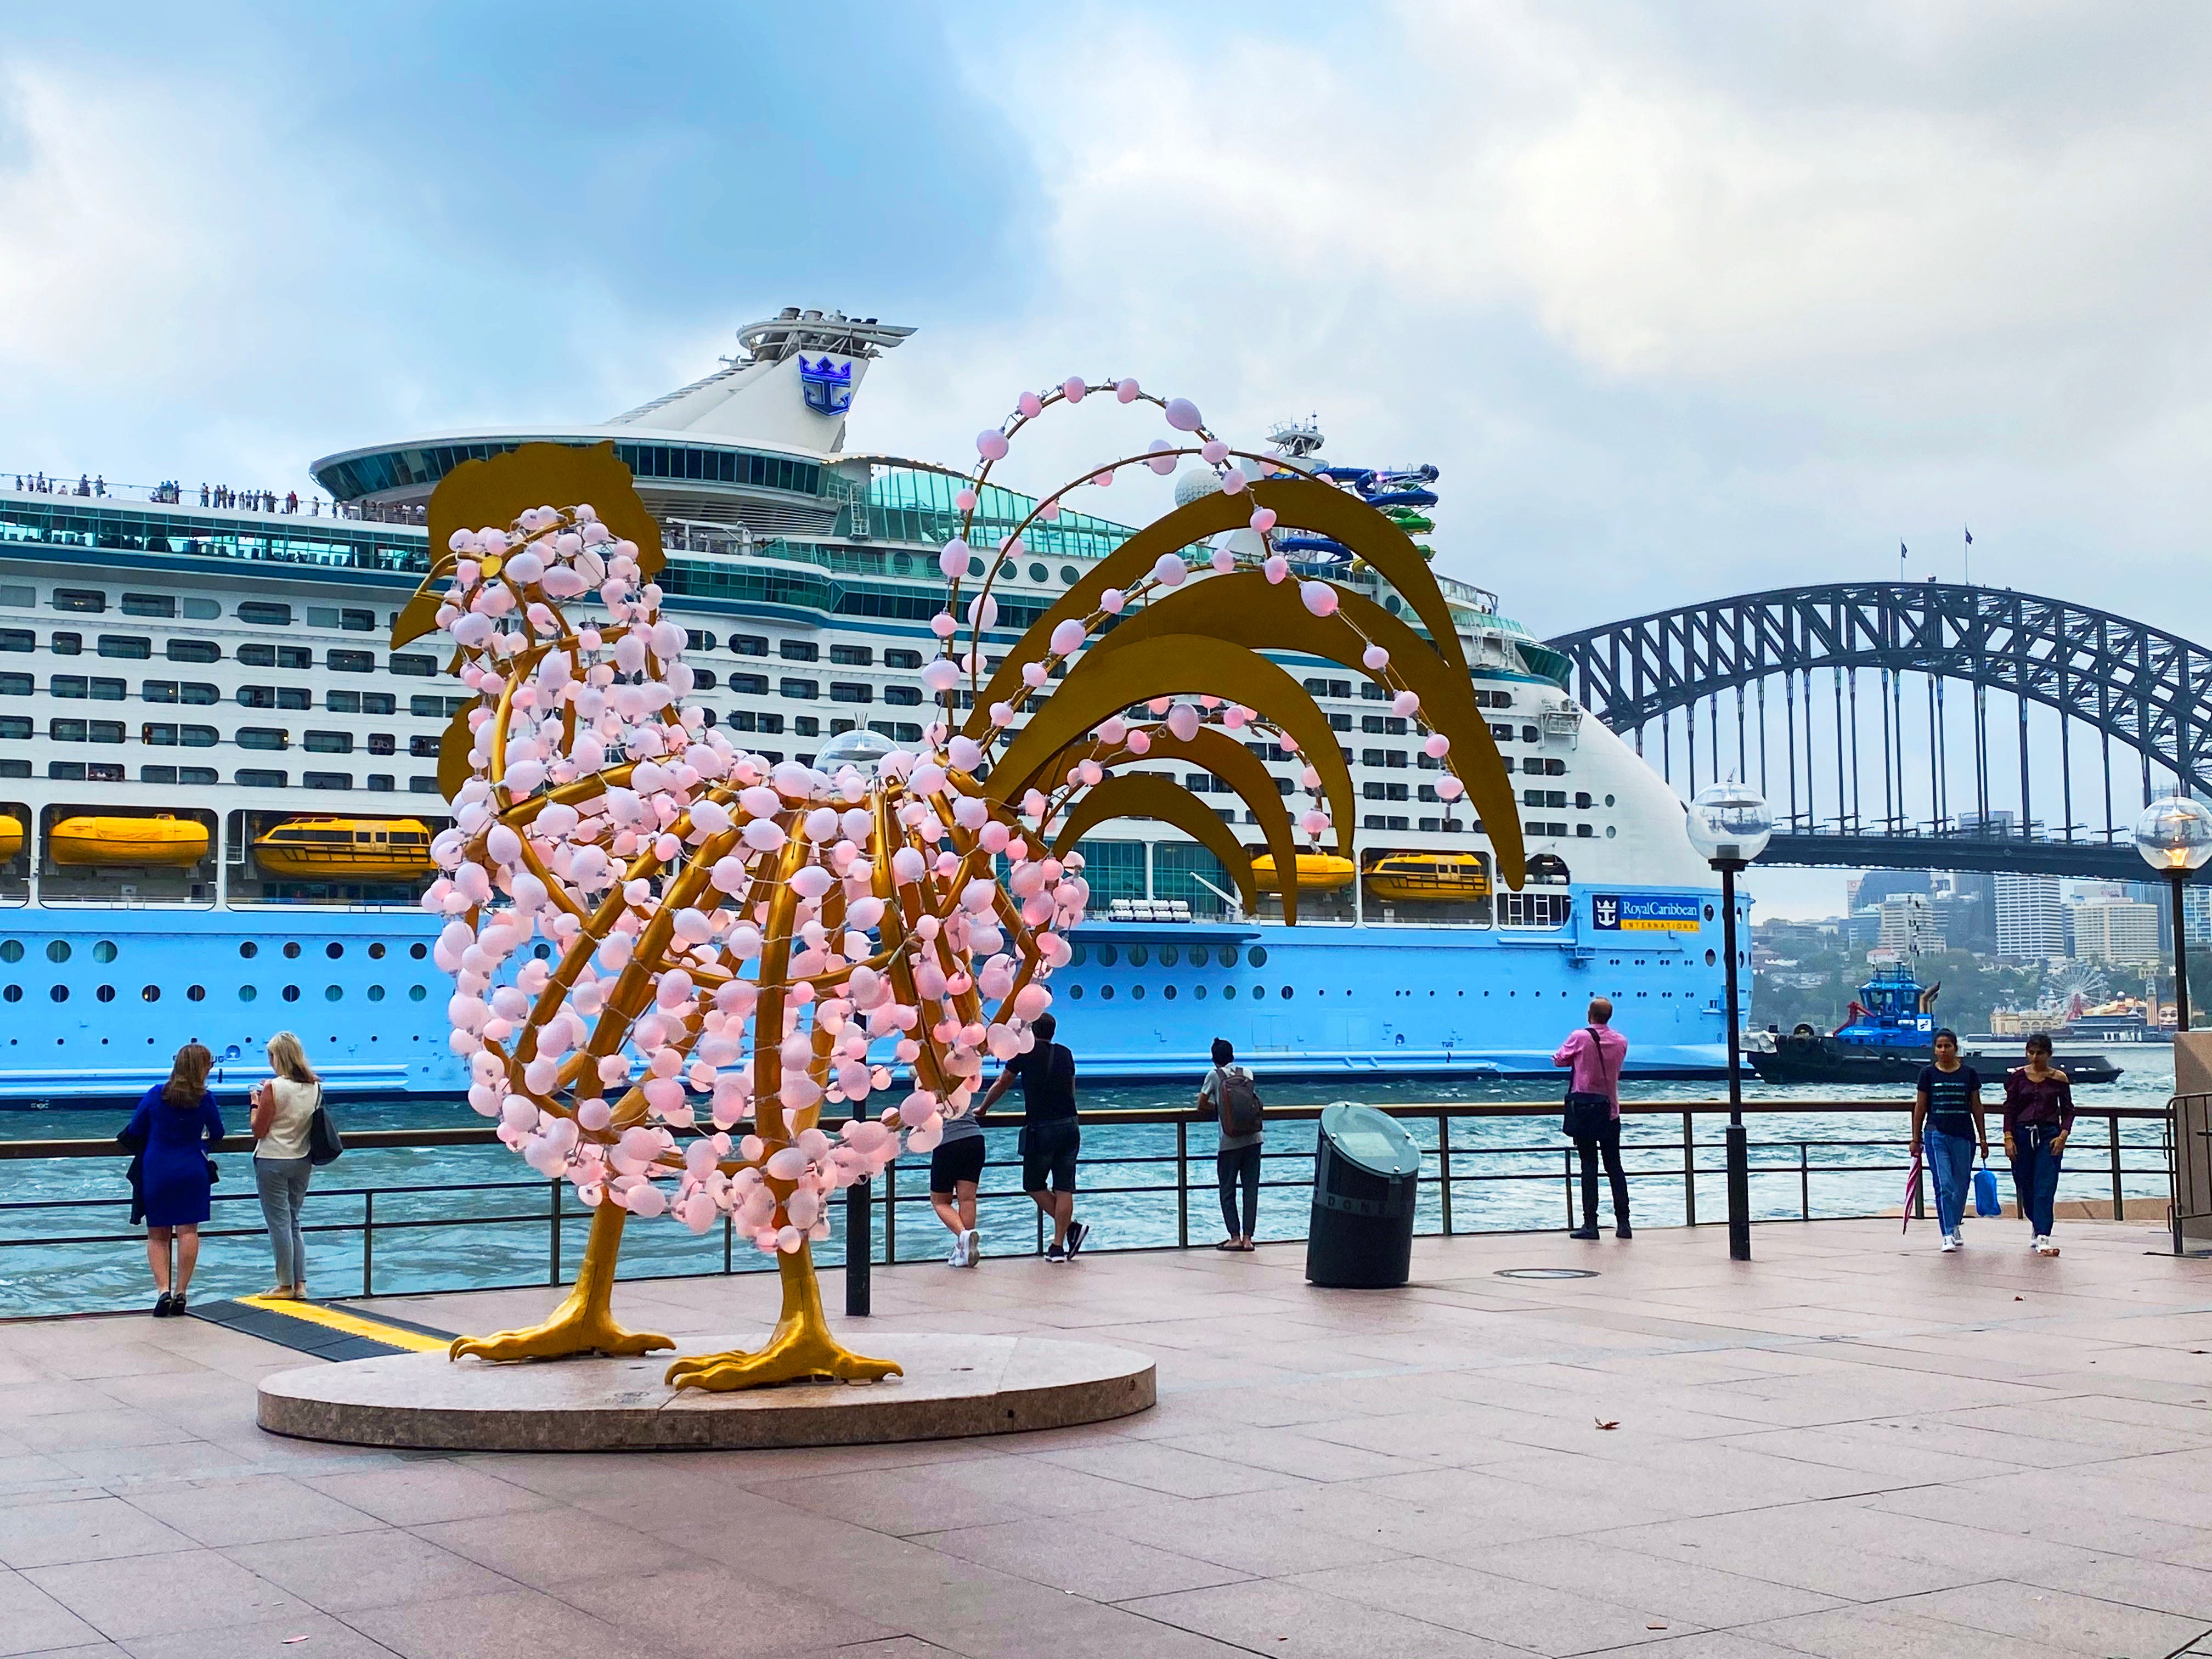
[1985, 1192]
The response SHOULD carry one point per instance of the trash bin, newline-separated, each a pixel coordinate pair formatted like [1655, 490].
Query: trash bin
[1366, 1171]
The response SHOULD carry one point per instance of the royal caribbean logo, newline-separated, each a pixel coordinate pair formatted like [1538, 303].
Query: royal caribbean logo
[827, 384]
[1644, 912]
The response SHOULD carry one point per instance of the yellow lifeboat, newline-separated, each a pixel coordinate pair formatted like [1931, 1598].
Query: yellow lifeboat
[11, 838]
[1430, 878]
[158, 840]
[1318, 872]
[358, 849]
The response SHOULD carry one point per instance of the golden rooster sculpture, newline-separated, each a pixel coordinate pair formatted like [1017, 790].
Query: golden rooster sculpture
[736, 945]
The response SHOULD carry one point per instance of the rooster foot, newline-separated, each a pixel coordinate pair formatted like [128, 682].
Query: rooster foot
[570, 1331]
[797, 1354]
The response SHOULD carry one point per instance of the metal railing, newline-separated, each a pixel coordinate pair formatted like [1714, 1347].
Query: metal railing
[1462, 1187]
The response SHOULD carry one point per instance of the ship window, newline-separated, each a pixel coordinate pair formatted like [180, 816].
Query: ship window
[333, 993]
[247, 994]
[805, 725]
[748, 686]
[67, 645]
[357, 621]
[202, 609]
[381, 743]
[13, 994]
[415, 993]
[80, 598]
[850, 692]
[196, 994]
[66, 771]
[376, 951]
[108, 691]
[258, 656]
[425, 748]
[254, 778]
[294, 656]
[68, 731]
[154, 691]
[382, 783]
[294, 697]
[194, 651]
[135, 646]
[322, 616]
[291, 993]
[352, 662]
[263, 737]
[902, 697]
[158, 735]
[197, 737]
[379, 703]
[749, 645]
[419, 667]
[327, 780]
[24, 598]
[329, 743]
[200, 694]
[704, 679]
[376, 994]
[264, 613]
[853, 656]
[59, 993]
[14, 769]
[157, 775]
[11, 950]
[151, 994]
[150, 605]
[15, 725]
[793, 688]
[798, 650]
[249, 950]
[342, 702]
[17, 638]
[70, 685]
[431, 708]
[1138, 956]
[423, 787]
[292, 949]
[900, 658]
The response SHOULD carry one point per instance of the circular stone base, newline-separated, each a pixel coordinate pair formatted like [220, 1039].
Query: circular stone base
[954, 1387]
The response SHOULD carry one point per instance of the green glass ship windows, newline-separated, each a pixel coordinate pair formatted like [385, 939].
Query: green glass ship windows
[193, 651]
[150, 605]
[264, 613]
[85, 599]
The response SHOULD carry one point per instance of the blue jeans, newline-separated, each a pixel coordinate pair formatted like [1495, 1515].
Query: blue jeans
[2035, 1174]
[1951, 1163]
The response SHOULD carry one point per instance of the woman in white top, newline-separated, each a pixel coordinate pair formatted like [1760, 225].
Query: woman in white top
[283, 1107]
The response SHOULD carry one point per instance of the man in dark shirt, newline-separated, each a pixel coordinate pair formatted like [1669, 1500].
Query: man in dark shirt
[1050, 1136]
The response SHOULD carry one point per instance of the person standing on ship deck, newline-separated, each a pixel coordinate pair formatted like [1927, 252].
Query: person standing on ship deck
[1597, 1054]
[1051, 1136]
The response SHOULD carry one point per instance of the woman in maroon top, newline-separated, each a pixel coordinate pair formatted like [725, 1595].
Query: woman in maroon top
[2039, 1114]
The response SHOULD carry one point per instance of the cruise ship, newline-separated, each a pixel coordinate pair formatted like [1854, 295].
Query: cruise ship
[218, 781]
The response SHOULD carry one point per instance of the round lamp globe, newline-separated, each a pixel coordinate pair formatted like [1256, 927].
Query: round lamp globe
[2174, 833]
[1729, 823]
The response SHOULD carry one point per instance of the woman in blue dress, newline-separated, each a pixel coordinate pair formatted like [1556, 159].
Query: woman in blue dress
[175, 1126]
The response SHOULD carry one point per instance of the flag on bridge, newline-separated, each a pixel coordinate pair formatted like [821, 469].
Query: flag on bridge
[1969, 538]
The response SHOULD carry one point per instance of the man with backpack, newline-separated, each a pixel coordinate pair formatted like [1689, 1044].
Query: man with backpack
[1593, 1119]
[1051, 1136]
[1228, 1096]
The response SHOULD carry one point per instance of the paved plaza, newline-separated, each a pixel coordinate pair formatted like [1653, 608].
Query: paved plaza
[1850, 1446]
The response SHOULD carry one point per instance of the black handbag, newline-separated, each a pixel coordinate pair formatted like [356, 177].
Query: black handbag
[1588, 1114]
[324, 1141]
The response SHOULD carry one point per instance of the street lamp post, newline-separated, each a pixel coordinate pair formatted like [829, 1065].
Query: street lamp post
[1729, 824]
[2174, 836]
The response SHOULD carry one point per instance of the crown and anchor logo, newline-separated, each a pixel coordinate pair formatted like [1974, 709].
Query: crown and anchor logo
[1606, 910]
[826, 384]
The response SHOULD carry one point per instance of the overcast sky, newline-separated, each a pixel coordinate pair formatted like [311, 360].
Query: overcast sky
[1683, 299]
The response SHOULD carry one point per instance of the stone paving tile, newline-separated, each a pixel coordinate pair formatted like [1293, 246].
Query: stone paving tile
[1080, 1559]
[1282, 1616]
[1683, 1591]
[2078, 1624]
[81, 1530]
[354, 1571]
[543, 1551]
[298, 1632]
[417, 1493]
[161, 1595]
[250, 1512]
[1536, 1617]
[31, 1622]
[690, 1609]
[510, 1624]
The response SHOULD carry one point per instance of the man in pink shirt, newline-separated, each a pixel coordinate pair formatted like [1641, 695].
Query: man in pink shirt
[1597, 1053]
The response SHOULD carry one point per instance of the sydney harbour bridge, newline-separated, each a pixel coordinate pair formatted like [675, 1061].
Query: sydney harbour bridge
[1863, 711]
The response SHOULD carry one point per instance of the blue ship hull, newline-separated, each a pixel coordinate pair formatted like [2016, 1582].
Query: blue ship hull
[96, 1001]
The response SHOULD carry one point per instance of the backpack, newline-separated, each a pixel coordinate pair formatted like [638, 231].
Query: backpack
[1240, 1107]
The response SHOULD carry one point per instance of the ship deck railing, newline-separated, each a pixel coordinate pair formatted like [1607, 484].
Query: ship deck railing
[1157, 1191]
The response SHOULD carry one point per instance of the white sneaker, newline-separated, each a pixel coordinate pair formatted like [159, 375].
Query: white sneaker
[958, 1255]
[2045, 1246]
[972, 1244]
[1949, 1244]
[1958, 1238]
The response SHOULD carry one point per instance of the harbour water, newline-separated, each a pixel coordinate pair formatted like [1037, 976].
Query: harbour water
[434, 1208]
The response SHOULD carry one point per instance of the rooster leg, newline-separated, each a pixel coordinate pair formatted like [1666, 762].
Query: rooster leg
[801, 1347]
[583, 1323]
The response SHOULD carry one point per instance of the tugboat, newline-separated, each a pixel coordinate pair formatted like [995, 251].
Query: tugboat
[1889, 1036]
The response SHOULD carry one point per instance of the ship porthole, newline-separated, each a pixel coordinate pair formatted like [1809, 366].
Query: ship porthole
[291, 947]
[333, 993]
[57, 949]
[104, 951]
[13, 994]
[291, 993]
[1075, 993]
[418, 952]
[151, 994]
[196, 993]
[249, 950]
[415, 993]
[376, 952]
[1137, 992]
[1106, 993]
[334, 950]
[59, 993]
[1711, 959]
[376, 994]
[1199, 991]
[247, 993]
